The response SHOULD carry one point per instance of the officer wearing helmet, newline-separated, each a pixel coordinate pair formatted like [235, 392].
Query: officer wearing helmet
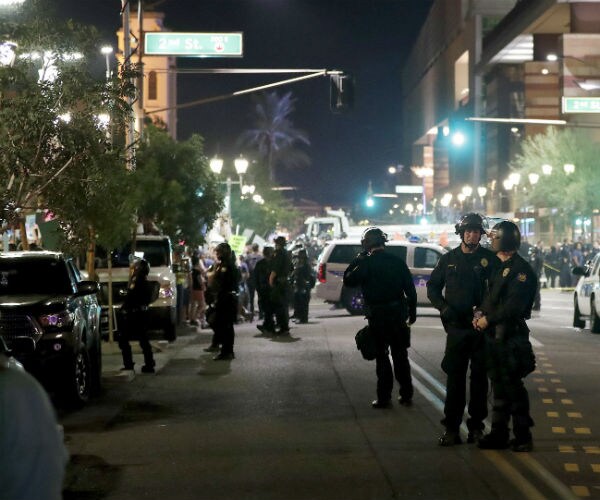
[455, 288]
[391, 306]
[501, 318]
[140, 294]
[223, 283]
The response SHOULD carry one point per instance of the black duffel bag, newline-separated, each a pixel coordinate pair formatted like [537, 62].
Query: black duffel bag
[366, 344]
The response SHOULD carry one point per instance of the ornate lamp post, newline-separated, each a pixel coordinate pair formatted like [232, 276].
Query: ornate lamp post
[241, 167]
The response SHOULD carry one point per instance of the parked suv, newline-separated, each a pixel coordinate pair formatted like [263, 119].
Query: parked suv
[420, 258]
[156, 249]
[50, 321]
[587, 296]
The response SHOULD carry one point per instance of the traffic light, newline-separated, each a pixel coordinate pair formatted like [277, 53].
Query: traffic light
[341, 92]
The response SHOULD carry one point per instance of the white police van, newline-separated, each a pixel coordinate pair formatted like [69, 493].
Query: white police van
[420, 258]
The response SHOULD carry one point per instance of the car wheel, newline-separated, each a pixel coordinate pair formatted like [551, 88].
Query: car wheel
[594, 318]
[577, 321]
[170, 332]
[79, 378]
[353, 300]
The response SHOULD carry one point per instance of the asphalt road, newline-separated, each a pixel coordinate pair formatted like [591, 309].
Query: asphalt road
[290, 418]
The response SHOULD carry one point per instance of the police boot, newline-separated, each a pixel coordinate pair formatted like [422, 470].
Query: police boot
[495, 440]
[449, 438]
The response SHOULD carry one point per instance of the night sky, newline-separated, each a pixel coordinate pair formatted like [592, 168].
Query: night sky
[368, 38]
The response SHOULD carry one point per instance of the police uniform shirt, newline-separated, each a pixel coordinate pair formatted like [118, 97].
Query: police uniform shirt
[511, 294]
[464, 277]
[384, 278]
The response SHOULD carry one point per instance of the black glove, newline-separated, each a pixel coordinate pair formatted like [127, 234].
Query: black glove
[448, 314]
[412, 317]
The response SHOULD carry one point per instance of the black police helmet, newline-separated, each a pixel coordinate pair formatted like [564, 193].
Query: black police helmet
[506, 237]
[373, 237]
[142, 268]
[224, 250]
[469, 221]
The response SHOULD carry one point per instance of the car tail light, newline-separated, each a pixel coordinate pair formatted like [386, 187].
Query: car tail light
[322, 273]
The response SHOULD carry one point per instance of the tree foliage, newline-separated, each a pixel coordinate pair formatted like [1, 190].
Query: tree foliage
[273, 134]
[174, 186]
[570, 194]
[55, 153]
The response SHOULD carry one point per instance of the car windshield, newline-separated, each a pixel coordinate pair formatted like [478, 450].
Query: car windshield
[34, 276]
[156, 252]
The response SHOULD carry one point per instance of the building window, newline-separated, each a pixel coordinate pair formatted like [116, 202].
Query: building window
[152, 85]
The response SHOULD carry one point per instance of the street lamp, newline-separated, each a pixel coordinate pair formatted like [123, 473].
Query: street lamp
[422, 173]
[533, 178]
[107, 50]
[546, 169]
[241, 167]
[569, 168]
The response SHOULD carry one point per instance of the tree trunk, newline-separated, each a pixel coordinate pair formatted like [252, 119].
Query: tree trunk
[91, 255]
[24, 242]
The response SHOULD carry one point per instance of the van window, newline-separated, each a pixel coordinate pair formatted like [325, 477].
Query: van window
[398, 251]
[343, 254]
[426, 257]
[156, 252]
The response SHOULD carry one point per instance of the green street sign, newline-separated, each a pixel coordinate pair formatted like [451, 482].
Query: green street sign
[193, 44]
[581, 104]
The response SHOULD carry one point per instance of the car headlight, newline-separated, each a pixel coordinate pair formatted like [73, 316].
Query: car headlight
[57, 320]
[166, 291]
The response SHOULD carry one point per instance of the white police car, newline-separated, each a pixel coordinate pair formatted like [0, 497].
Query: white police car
[420, 258]
[587, 296]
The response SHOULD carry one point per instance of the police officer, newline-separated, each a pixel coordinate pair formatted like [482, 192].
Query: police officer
[281, 266]
[536, 260]
[223, 283]
[302, 280]
[502, 318]
[391, 306]
[455, 288]
[140, 294]
[260, 277]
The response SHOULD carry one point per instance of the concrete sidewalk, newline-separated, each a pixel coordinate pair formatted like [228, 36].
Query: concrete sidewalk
[112, 362]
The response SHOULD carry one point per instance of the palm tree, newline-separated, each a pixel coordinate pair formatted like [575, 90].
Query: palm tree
[274, 135]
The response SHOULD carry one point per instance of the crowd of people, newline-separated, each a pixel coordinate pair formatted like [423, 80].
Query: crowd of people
[217, 288]
[554, 263]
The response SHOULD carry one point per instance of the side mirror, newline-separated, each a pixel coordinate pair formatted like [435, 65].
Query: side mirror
[87, 287]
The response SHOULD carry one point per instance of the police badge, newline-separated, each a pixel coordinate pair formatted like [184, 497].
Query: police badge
[505, 272]
[484, 262]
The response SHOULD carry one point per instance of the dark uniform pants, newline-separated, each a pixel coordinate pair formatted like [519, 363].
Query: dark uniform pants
[134, 326]
[393, 336]
[510, 395]
[224, 334]
[465, 346]
[279, 301]
[301, 301]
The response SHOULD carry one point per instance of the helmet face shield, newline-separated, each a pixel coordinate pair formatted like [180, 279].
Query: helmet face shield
[506, 237]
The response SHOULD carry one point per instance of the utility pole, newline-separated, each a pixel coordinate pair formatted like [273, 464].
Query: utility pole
[130, 132]
[140, 82]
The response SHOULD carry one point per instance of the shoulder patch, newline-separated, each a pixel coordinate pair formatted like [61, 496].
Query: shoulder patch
[522, 277]
[484, 262]
[505, 272]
